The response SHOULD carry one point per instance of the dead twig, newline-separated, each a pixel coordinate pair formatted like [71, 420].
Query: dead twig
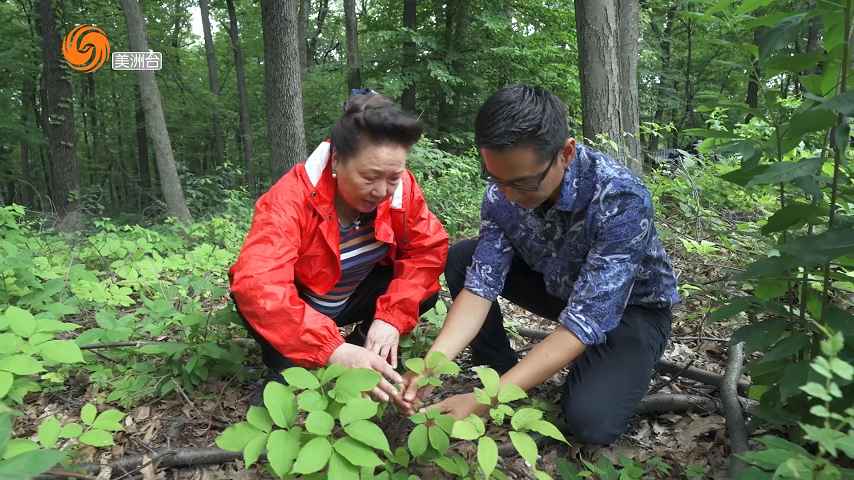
[732, 409]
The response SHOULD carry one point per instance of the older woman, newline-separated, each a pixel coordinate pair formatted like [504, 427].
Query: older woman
[344, 237]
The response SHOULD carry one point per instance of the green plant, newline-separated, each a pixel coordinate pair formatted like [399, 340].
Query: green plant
[432, 368]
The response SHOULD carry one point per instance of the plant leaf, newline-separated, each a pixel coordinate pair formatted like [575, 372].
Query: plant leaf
[313, 456]
[526, 446]
[510, 393]
[61, 351]
[356, 453]
[109, 420]
[525, 417]
[259, 418]
[282, 450]
[368, 433]
[48, 432]
[319, 423]
[489, 378]
[235, 437]
[417, 440]
[487, 455]
[301, 378]
[341, 469]
[357, 409]
[281, 404]
[87, 413]
[97, 438]
[438, 439]
[254, 449]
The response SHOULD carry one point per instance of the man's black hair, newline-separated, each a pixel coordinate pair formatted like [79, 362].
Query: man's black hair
[522, 116]
[373, 118]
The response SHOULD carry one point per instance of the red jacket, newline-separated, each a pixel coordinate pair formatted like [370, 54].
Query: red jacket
[294, 241]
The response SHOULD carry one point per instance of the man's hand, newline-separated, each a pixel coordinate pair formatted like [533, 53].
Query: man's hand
[383, 339]
[354, 356]
[461, 406]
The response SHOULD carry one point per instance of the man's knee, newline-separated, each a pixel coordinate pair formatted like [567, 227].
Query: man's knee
[459, 258]
[591, 423]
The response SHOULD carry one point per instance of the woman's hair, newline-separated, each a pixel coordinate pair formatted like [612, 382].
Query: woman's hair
[373, 119]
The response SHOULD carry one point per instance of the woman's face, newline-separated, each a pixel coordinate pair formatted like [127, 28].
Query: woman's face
[371, 175]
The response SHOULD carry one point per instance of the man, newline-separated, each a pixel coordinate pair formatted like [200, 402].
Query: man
[566, 233]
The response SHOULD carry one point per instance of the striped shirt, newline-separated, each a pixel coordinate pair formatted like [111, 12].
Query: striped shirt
[359, 252]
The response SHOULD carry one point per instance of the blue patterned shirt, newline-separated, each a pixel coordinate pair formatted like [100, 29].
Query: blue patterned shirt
[596, 247]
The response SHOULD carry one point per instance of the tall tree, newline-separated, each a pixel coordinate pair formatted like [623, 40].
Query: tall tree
[322, 12]
[58, 122]
[304, 9]
[407, 100]
[243, 98]
[628, 49]
[599, 62]
[213, 82]
[155, 122]
[142, 162]
[282, 86]
[354, 66]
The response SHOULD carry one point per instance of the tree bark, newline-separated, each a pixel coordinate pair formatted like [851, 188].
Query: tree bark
[752, 98]
[354, 66]
[26, 192]
[283, 90]
[155, 121]
[245, 126]
[304, 9]
[628, 15]
[213, 82]
[58, 123]
[142, 162]
[596, 23]
[407, 99]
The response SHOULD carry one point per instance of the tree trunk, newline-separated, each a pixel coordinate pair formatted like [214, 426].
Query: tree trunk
[666, 56]
[628, 15]
[27, 190]
[354, 66]
[596, 24]
[283, 90]
[58, 123]
[154, 118]
[455, 19]
[407, 100]
[752, 98]
[213, 81]
[243, 98]
[322, 11]
[142, 162]
[304, 9]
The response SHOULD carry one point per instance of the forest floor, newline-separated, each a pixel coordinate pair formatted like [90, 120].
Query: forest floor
[677, 439]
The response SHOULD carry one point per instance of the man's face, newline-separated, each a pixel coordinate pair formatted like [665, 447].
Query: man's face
[523, 177]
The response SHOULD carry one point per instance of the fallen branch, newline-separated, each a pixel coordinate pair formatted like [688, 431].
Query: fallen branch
[732, 409]
[664, 366]
[170, 458]
[675, 403]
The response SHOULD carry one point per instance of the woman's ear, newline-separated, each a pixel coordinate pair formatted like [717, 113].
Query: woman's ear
[334, 160]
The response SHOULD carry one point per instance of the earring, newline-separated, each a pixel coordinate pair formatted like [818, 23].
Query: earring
[334, 174]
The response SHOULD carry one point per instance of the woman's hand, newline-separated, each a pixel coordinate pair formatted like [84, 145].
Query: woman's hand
[383, 339]
[354, 356]
[461, 406]
[412, 396]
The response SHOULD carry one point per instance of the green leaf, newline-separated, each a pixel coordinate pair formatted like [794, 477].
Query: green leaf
[48, 432]
[438, 439]
[784, 172]
[758, 336]
[734, 307]
[341, 469]
[525, 445]
[793, 214]
[816, 390]
[826, 437]
[5, 430]
[313, 456]
[487, 455]
[417, 440]
[235, 437]
[17, 446]
[254, 449]
[525, 417]
[281, 404]
[415, 365]
[774, 38]
[368, 433]
[333, 371]
[259, 418]
[301, 378]
[821, 248]
[21, 321]
[548, 429]
[748, 6]
[843, 103]
[510, 393]
[71, 430]
[61, 351]
[469, 428]
[87, 413]
[282, 450]
[6, 380]
[842, 368]
[356, 453]
[46, 325]
[434, 359]
[319, 423]
[833, 345]
[787, 347]
[9, 343]
[97, 438]
[489, 378]
[311, 400]
[29, 464]
[109, 420]
[357, 409]
[21, 364]
[353, 382]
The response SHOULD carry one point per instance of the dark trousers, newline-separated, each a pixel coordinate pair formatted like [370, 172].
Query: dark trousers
[360, 308]
[606, 382]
